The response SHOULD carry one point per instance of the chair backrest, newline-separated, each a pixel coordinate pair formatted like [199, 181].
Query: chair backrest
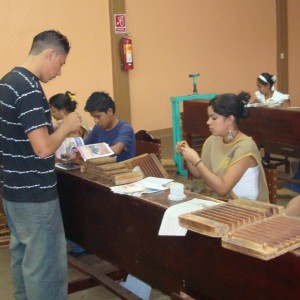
[271, 177]
[146, 143]
[149, 164]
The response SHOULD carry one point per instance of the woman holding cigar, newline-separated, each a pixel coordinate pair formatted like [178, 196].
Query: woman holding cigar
[230, 162]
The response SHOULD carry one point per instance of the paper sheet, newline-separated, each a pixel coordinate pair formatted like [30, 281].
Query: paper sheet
[144, 186]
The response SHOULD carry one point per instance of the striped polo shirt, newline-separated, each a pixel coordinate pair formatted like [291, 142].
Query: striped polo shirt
[24, 108]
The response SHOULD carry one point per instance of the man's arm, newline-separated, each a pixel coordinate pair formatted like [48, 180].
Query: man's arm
[118, 147]
[44, 144]
[124, 139]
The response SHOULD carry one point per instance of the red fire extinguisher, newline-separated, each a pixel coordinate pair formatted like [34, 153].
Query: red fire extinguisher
[126, 53]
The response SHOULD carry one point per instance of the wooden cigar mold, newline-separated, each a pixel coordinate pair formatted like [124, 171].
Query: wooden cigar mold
[250, 227]
[108, 169]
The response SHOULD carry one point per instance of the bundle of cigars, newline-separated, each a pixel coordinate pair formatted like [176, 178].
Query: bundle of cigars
[250, 227]
[117, 173]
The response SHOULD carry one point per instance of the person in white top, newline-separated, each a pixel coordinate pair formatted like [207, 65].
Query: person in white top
[267, 94]
[293, 207]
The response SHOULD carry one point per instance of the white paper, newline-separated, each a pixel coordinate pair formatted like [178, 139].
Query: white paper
[156, 183]
[69, 147]
[134, 189]
[144, 186]
[67, 166]
[95, 150]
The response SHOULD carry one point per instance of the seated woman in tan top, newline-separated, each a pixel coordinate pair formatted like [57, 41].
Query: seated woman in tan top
[230, 162]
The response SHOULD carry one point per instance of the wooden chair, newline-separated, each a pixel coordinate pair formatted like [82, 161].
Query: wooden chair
[146, 143]
[149, 164]
[271, 177]
[280, 149]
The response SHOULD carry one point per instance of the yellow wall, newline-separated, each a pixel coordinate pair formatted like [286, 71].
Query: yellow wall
[84, 22]
[229, 42]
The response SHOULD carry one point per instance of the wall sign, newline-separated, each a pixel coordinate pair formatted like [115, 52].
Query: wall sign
[120, 23]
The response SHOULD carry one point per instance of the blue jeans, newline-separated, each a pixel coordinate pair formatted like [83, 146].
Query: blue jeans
[38, 250]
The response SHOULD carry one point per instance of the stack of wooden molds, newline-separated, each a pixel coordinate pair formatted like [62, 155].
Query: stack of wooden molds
[250, 227]
[107, 169]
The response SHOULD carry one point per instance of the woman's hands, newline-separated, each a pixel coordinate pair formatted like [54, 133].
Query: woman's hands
[180, 145]
[188, 154]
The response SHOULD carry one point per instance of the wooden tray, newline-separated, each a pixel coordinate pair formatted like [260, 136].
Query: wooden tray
[250, 227]
[267, 239]
[218, 220]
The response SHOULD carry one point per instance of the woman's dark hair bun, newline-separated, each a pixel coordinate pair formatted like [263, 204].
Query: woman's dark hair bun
[231, 104]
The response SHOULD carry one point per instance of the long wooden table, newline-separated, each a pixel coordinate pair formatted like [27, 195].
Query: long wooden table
[124, 231]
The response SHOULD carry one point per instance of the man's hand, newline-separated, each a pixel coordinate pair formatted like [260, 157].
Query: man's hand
[72, 122]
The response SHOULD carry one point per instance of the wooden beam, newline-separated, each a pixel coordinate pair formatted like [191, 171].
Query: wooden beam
[120, 78]
[282, 46]
[83, 283]
[97, 276]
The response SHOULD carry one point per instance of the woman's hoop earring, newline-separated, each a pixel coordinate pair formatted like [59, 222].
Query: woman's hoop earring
[230, 136]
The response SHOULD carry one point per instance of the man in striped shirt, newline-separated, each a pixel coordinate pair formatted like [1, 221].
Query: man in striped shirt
[27, 146]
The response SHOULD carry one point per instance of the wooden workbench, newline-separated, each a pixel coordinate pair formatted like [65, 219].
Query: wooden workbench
[124, 231]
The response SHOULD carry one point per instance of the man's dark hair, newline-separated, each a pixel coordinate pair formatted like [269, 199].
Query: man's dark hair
[50, 39]
[99, 101]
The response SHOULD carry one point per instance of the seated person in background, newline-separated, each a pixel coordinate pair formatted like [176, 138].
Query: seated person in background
[63, 104]
[118, 134]
[291, 189]
[230, 162]
[293, 207]
[267, 94]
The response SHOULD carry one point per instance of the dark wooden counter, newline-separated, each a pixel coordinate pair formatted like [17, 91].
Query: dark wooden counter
[124, 231]
[276, 128]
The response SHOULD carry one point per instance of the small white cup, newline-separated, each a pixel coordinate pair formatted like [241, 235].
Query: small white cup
[176, 191]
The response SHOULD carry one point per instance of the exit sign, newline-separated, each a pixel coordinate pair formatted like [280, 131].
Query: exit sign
[120, 23]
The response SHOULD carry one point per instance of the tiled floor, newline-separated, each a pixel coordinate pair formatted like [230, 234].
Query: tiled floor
[98, 292]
